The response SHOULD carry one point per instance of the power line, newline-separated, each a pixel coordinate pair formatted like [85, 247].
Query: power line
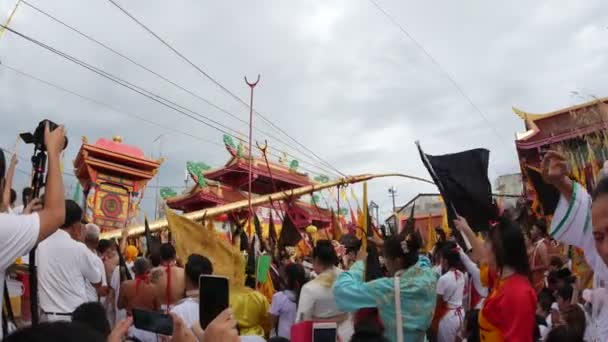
[441, 68]
[217, 83]
[164, 78]
[105, 105]
[155, 97]
[117, 80]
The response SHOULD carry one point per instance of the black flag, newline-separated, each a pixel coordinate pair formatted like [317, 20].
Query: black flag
[272, 233]
[148, 237]
[290, 236]
[462, 179]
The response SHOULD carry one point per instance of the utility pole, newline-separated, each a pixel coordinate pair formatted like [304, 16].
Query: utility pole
[393, 193]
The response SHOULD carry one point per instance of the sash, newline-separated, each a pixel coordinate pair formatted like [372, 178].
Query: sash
[398, 319]
[168, 287]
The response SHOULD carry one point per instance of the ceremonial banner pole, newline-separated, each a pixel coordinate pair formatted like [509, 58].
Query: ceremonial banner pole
[259, 200]
[251, 85]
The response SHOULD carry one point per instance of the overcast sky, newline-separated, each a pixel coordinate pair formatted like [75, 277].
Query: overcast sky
[336, 75]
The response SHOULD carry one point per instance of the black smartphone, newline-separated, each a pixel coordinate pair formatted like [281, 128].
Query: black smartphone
[324, 332]
[213, 296]
[153, 321]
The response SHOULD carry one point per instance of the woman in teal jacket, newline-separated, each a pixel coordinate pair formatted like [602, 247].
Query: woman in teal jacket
[405, 301]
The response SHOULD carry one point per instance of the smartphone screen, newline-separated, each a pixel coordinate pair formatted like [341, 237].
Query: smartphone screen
[324, 332]
[153, 321]
[213, 291]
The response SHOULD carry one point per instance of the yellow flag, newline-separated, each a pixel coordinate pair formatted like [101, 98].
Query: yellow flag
[343, 194]
[354, 196]
[191, 237]
[364, 222]
[445, 225]
[267, 288]
[10, 18]
[432, 235]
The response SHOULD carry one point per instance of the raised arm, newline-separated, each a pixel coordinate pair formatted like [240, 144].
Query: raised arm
[351, 292]
[8, 185]
[476, 244]
[53, 214]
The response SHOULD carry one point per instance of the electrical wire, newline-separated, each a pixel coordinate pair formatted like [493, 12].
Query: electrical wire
[439, 66]
[121, 112]
[164, 78]
[222, 87]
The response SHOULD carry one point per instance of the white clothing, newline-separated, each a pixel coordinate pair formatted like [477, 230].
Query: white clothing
[449, 326]
[187, 310]
[120, 314]
[64, 268]
[450, 287]
[572, 224]
[90, 289]
[473, 271]
[437, 269]
[18, 235]
[317, 298]
[317, 302]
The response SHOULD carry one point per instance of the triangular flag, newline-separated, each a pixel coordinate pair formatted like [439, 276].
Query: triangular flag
[336, 227]
[364, 222]
[290, 236]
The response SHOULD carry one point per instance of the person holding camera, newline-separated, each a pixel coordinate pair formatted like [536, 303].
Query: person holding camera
[20, 233]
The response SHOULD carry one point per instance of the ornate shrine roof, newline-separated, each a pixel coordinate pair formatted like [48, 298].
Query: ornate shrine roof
[562, 124]
[236, 173]
[113, 157]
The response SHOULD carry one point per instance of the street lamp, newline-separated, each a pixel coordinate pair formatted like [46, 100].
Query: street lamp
[375, 207]
[393, 193]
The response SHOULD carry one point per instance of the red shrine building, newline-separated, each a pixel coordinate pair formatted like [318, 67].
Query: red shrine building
[579, 132]
[113, 176]
[230, 183]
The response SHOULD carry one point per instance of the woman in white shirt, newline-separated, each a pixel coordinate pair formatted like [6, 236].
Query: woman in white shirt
[450, 290]
[317, 300]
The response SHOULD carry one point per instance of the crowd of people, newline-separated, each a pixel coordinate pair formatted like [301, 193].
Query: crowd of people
[516, 281]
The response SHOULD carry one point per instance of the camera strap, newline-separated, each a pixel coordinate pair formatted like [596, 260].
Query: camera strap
[7, 311]
[33, 272]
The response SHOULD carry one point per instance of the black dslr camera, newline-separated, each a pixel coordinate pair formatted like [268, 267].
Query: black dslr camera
[39, 156]
[37, 138]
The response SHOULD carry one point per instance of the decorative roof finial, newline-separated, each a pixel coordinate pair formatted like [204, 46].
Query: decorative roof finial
[117, 139]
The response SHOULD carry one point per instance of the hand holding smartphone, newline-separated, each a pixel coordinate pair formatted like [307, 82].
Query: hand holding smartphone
[153, 321]
[213, 298]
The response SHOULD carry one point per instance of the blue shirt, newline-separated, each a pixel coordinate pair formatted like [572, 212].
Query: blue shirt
[418, 297]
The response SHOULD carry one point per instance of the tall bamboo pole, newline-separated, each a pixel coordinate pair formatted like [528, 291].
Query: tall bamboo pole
[260, 200]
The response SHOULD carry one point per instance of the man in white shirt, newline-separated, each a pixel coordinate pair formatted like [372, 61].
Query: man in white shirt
[188, 308]
[581, 220]
[65, 265]
[20, 233]
[91, 240]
